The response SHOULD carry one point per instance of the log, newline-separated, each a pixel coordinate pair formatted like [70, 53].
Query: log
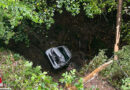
[96, 71]
[92, 74]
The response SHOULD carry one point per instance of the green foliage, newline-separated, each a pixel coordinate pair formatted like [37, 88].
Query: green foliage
[15, 12]
[21, 34]
[124, 53]
[126, 32]
[115, 72]
[126, 84]
[19, 74]
[96, 62]
[12, 12]
[70, 77]
[125, 27]
[119, 69]
[79, 84]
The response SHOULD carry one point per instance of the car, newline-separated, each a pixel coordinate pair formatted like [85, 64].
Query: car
[58, 56]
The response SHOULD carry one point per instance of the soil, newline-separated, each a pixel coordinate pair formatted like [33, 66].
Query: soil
[83, 36]
[99, 84]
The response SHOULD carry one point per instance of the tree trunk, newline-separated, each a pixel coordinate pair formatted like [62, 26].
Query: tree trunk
[118, 24]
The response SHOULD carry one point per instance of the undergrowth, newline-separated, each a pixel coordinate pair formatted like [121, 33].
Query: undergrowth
[18, 73]
[118, 73]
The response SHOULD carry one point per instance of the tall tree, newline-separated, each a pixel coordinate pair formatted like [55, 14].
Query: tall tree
[118, 25]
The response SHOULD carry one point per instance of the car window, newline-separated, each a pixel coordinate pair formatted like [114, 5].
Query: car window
[61, 49]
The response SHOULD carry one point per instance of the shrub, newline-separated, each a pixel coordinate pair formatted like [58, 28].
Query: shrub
[70, 78]
[115, 72]
[19, 74]
[126, 84]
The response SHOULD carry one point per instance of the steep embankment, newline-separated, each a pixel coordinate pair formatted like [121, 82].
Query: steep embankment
[83, 36]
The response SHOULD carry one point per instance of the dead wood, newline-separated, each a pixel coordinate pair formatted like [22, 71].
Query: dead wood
[96, 71]
[92, 74]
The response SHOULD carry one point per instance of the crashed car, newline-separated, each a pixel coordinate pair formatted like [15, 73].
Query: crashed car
[58, 56]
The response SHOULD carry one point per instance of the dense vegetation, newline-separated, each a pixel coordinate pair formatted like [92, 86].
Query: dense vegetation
[16, 12]
[17, 73]
[117, 72]
[19, 17]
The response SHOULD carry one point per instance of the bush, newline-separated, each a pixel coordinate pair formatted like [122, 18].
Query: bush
[126, 84]
[125, 35]
[70, 78]
[19, 74]
[115, 72]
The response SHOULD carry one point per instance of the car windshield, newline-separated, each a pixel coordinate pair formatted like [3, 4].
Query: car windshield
[61, 49]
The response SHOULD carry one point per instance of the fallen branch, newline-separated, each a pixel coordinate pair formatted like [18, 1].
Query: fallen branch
[92, 74]
[96, 71]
